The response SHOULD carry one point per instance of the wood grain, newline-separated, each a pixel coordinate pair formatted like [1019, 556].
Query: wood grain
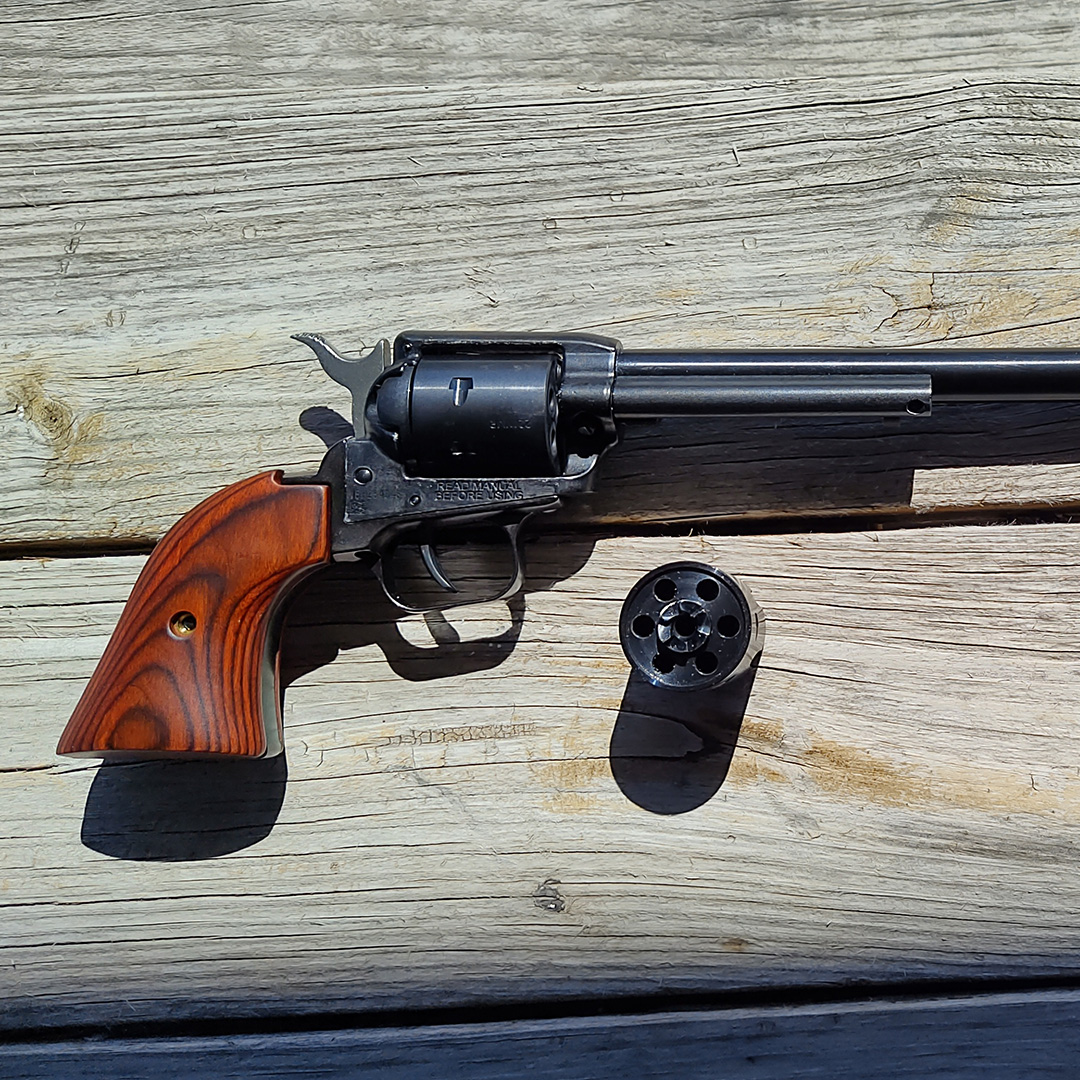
[165, 245]
[306, 45]
[992, 1037]
[192, 667]
[181, 187]
[481, 809]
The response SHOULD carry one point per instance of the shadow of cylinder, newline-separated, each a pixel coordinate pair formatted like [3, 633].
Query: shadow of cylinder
[670, 751]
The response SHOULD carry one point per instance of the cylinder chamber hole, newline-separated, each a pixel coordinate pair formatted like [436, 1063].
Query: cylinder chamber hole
[707, 589]
[706, 663]
[664, 590]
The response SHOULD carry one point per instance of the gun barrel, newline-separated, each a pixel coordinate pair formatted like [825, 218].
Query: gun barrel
[954, 374]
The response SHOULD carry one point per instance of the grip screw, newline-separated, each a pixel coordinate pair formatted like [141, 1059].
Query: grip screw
[183, 624]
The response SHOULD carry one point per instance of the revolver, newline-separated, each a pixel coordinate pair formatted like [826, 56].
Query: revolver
[451, 432]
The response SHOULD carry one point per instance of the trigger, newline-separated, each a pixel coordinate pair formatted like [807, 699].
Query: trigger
[431, 561]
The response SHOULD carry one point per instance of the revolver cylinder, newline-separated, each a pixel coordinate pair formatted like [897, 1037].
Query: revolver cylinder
[461, 415]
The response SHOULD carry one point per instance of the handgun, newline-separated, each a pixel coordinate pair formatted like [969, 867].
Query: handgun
[454, 434]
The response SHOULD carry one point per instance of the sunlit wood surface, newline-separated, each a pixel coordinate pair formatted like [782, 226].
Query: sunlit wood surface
[480, 810]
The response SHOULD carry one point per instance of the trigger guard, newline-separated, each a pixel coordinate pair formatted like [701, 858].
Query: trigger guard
[514, 585]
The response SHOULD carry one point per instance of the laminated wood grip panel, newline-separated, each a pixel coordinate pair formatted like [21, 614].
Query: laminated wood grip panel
[191, 668]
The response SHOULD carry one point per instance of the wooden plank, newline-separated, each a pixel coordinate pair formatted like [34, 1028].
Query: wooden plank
[299, 45]
[501, 816]
[162, 244]
[992, 1036]
[177, 184]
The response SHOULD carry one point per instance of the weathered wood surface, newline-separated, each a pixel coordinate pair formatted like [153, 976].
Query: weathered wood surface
[182, 187]
[302, 45]
[990, 1037]
[503, 817]
[162, 244]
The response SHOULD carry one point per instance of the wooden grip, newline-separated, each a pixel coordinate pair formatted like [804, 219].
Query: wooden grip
[191, 669]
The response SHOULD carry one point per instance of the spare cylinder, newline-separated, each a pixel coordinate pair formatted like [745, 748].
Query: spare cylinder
[689, 626]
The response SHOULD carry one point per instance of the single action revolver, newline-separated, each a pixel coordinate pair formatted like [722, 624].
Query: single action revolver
[450, 432]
